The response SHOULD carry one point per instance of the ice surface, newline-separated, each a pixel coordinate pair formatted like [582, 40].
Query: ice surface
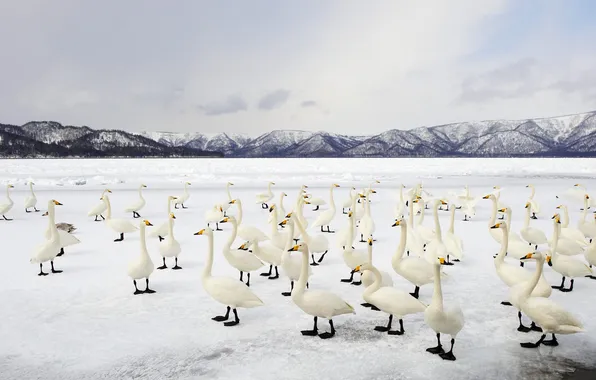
[86, 324]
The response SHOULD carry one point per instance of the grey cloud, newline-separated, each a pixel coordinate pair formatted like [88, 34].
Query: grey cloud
[308, 103]
[583, 85]
[274, 100]
[513, 80]
[232, 104]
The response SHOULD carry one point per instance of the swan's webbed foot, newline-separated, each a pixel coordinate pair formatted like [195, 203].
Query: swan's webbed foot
[287, 294]
[357, 283]
[592, 277]
[385, 328]
[61, 252]
[552, 342]
[147, 290]
[248, 279]
[54, 270]
[323, 256]
[217, 227]
[566, 290]
[183, 206]
[96, 220]
[221, 318]
[176, 266]
[160, 238]
[235, 321]
[314, 331]
[276, 275]
[374, 308]
[366, 304]
[164, 266]
[523, 328]
[331, 334]
[416, 293]
[535, 327]
[438, 349]
[314, 263]
[401, 330]
[533, 345]
[41, 272]
[506, 303]
[176, 205]
[137, 291]
[456, 260]
[121, 237]
[316, 208]
[5, 218]
[268, 273]
[348, 279]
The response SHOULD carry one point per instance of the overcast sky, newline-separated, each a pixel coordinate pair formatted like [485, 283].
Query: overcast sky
[352, 67]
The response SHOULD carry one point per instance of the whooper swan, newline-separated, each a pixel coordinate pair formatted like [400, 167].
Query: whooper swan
[138, 205]
[99, 208]
[48, 250]
[180, 199]
[263, 198]
[327, 216]
[142, 266]
[31, 199]
[121, 226]
[170, 247]
[5, 207]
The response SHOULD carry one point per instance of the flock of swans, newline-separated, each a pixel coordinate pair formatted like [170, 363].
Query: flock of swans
[298, 246]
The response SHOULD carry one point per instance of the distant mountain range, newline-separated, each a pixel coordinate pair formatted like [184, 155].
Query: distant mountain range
[563, 136]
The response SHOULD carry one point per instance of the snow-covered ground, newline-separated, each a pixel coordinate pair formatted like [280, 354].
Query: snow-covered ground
[85, 323]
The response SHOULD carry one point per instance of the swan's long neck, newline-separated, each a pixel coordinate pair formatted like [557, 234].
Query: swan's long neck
[367, 205]
[290, 239]
[274, 222]
[303, 232]
[369, 251]
[240, 214]
[141, 192]
[504, 245]
[185, 188]
[493, 215]
[411, 212]
[376, 285]
[565, 217]
[52, 221]
[298, 291]
[232, 236]
[509, 218]
[421, 217]
[437, 223]
[401, 248]
[556, 234]
[171, 227]
[109, 206]
[269, 189]
[351, 232]
[332, 205]
[584, 213]
[437, 300]
[209, 263]
[8, 194]
[31, 188]
[452, 220]
[228, 191]
[533, 192]
[527, 219]
[531, 284]
[401, 194]
[144, 253]
[169, 205]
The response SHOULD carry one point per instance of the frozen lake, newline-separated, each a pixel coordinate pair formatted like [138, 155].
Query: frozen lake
[86, 324]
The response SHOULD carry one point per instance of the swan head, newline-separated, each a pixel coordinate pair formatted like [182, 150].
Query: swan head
[587, 196]
[284, 194]
[496, 187]
[233, 201]
[440, 261]
[306, 202]
[504, 209]
[205, 231]
[45, 214]
[56, 202]
[549, 260]
[283, 222]
[302, 247]
[31, 183]
[244, 246]
[289, 214]
[362, 267]
[533, 256]
[399, 222]
[187, 183]
[172, 215]
[350, 214]
[228, 219]
[143, 185]
[500, 225]
[10, 186]
[487, 196]
[557, 218]
[370, 241]
[148, 223]
[271, 208]
[335, 185]
[109, 191]
[272, 183]
[559, 207]
[528, 205]
[230, 184]
[373, 191]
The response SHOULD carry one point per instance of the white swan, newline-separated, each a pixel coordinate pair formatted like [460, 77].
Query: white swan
[531, 235]
[327, 216]
[170, 247]
[516, 247]
[164, 228]
[343, 235]
[425, 234]
[318, 303]
[121, 226]
[269, 254]
[65, 238]
[280, 210]
[241, 260]
[353, 257]
[400, 207]
[142, 266]
[278, 239]
[225, 205]
[534, 205]
[180, 199]
[568, 232]
[500, 206]
[299, 210]
[442, 320]
[138, 205]
[315, 201]
[565, 246]
[587, 228]
[566, 266]
[436, 248]
[99, 208]
[316, 243]
[414, 242]
[249, 233]
[416, 270]
[291, 264]
[590, 256]
[31, 199]
[545, 312]
[453, 243]
[48, 250]
[348, 202]
[214, 215]
[368, 277]
[390, 300]
[263, 198]
[5, 207]
[366, 228]
[225, 290]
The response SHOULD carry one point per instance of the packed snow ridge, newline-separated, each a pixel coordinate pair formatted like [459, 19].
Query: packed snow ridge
[562, 136]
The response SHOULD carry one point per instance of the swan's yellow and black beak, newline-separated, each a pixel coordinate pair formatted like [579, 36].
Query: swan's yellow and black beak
[294, 248]
[361, 195]
[233, 201]
[143, 185]
[397, 223]
[172, 215]
[188, 183]
[503, 209]
[528, 256]
[559, 207]
[335, 185]
[527, 205]
[243, 247]
[57, 203]
[306, 202]
[370, 241]
[45, 214]
[174, 198]
[486, 196]
[289, 215]
[225, 220]
[220, 209]
[271, 208]
[350, 214]
[11, 186]
[498, 225]
[373, 191]
[549, 261]
[283, 222]
[587, 196]
[443, 202]
[201, 232]
[147, 223]
[441, 261]
[108, 190]
[357, 269]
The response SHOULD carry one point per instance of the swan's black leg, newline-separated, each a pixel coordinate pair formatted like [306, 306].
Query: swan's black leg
[521, 264]
[329, 230]
[385, 328]
[248, 277]
[5, 218]
[54, 270]
[313, 332]
[183, 206]
[362, 238]
[137, 291]
[401, 330]
[217, 227]
[176, 205]
[359, 282]
[449, 355]
[287, 294]
[416, 293]
[241, 275]
[438, 349]
[296, 241]
[35, 208]
[533, 345]
[314, 263]
[592, 277]
[534, 327]
[160, 238]
[61, 252]
[348, 279]
[331, 334]
[561, 286]
[552, 342]
[147, 290]
[569, 289]
[316, 208]
[521, 327]
[276, 274]
[323, 256]
[267, 273]
[41, 272]
[236, 319]
[176, 262]
[164, 266]
[102, 217]
[96, 220]
[322, 229]
[27, 211]
[121, 237]
[343, 210]
[221, 318]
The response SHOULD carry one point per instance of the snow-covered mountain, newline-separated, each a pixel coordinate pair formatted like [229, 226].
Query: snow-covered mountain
[572, 135]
